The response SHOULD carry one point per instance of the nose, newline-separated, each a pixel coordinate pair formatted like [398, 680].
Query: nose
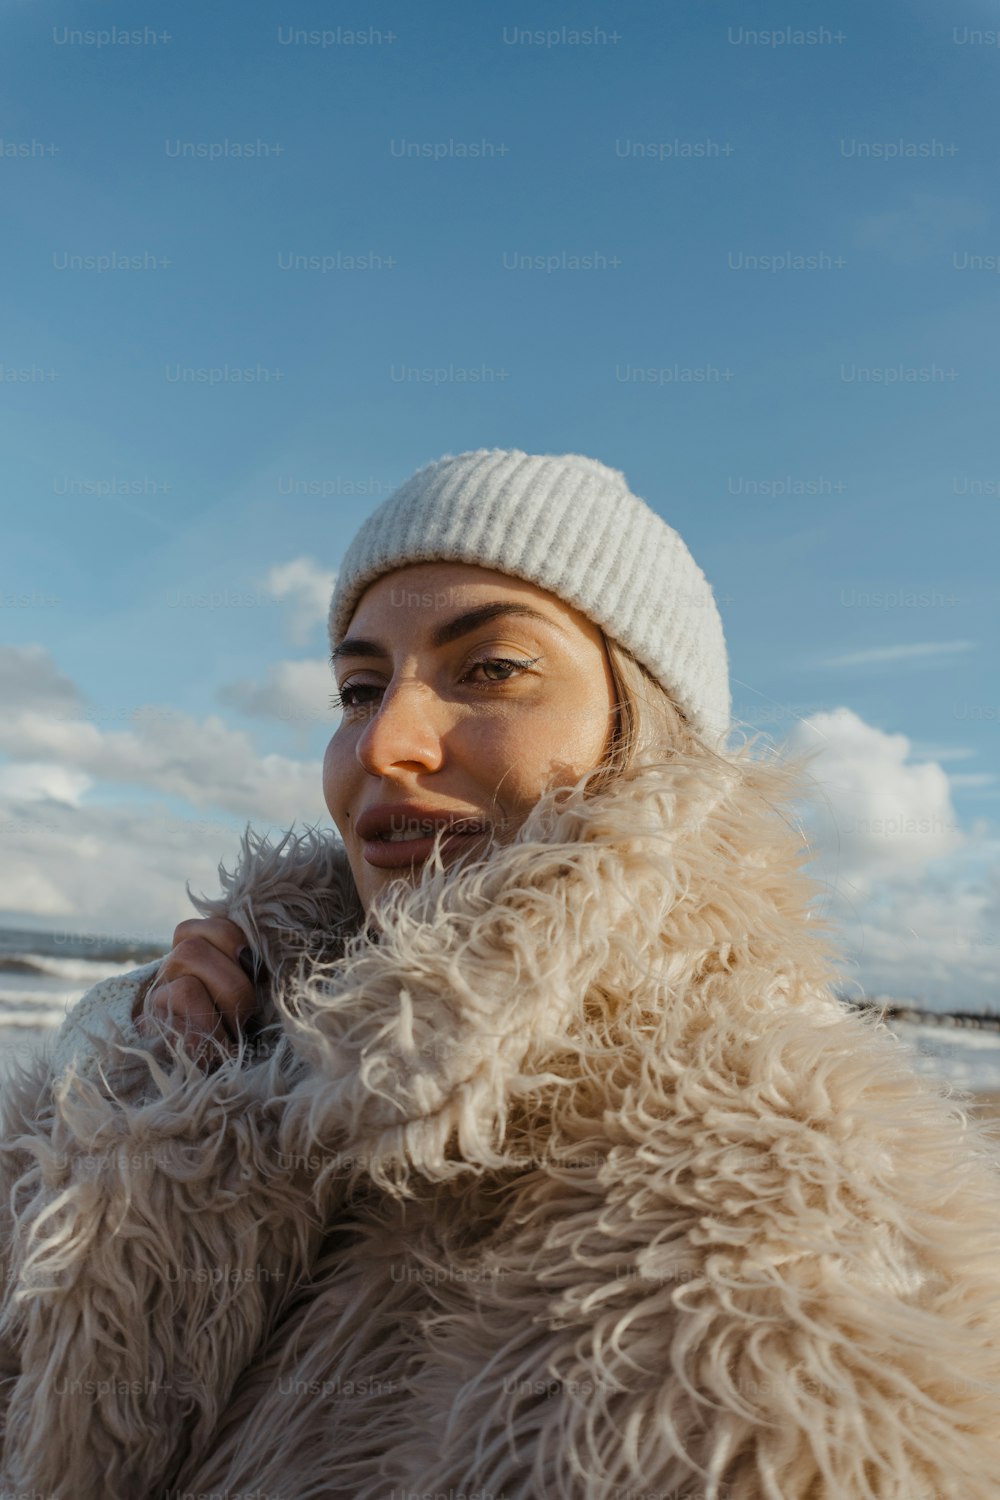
[404, 730]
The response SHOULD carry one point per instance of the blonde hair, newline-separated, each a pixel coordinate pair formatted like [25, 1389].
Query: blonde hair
[648, 723]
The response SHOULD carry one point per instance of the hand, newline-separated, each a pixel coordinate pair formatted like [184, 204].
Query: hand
[201, 991]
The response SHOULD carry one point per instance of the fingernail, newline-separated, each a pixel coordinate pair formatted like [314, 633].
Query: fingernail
[245, 959]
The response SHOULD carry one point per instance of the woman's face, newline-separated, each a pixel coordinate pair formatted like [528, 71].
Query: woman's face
[465, 693]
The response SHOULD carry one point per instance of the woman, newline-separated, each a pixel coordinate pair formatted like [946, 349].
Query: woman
[541, 1160]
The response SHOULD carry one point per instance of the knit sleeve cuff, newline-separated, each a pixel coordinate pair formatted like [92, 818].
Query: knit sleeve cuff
[103, 1013]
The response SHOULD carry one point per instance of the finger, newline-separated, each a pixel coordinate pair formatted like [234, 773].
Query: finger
[226, 935]
[231, 940]
[185, 1007]
[227, 985]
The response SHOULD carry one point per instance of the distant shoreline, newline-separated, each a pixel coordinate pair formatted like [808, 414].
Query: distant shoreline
[902, 1010]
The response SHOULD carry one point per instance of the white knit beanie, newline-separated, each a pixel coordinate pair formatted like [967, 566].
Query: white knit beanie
[570, 525]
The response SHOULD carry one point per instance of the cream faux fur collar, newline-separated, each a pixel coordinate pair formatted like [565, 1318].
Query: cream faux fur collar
[480, 993]
[581, 1171]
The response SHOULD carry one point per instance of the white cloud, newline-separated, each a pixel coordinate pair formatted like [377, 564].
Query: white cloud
[295, 693]
[118, 871]
[290, 691]
[172, 753]
[29, 890]
[926, 651]
[880, 813]
[908, 891]
[928, 940]
[309, 588]
[29, 678]
[36, 781]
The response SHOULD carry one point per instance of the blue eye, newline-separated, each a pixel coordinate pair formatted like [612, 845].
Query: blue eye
[347, 697]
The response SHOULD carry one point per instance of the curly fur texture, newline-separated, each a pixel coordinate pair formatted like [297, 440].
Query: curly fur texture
[575, 1182]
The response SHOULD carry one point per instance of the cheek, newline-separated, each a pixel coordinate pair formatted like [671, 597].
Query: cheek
[561, 734]
[513, 757]
[336, 788]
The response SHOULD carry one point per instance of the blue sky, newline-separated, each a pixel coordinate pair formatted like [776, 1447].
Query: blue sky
[822, 434]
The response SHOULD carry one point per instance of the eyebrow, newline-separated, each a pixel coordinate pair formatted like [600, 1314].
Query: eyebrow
[461, 625]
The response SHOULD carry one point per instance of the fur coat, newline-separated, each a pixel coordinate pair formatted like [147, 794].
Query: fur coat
[574, 1182]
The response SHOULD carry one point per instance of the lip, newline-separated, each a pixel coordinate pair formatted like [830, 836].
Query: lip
[398, 817]
[386, 856]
